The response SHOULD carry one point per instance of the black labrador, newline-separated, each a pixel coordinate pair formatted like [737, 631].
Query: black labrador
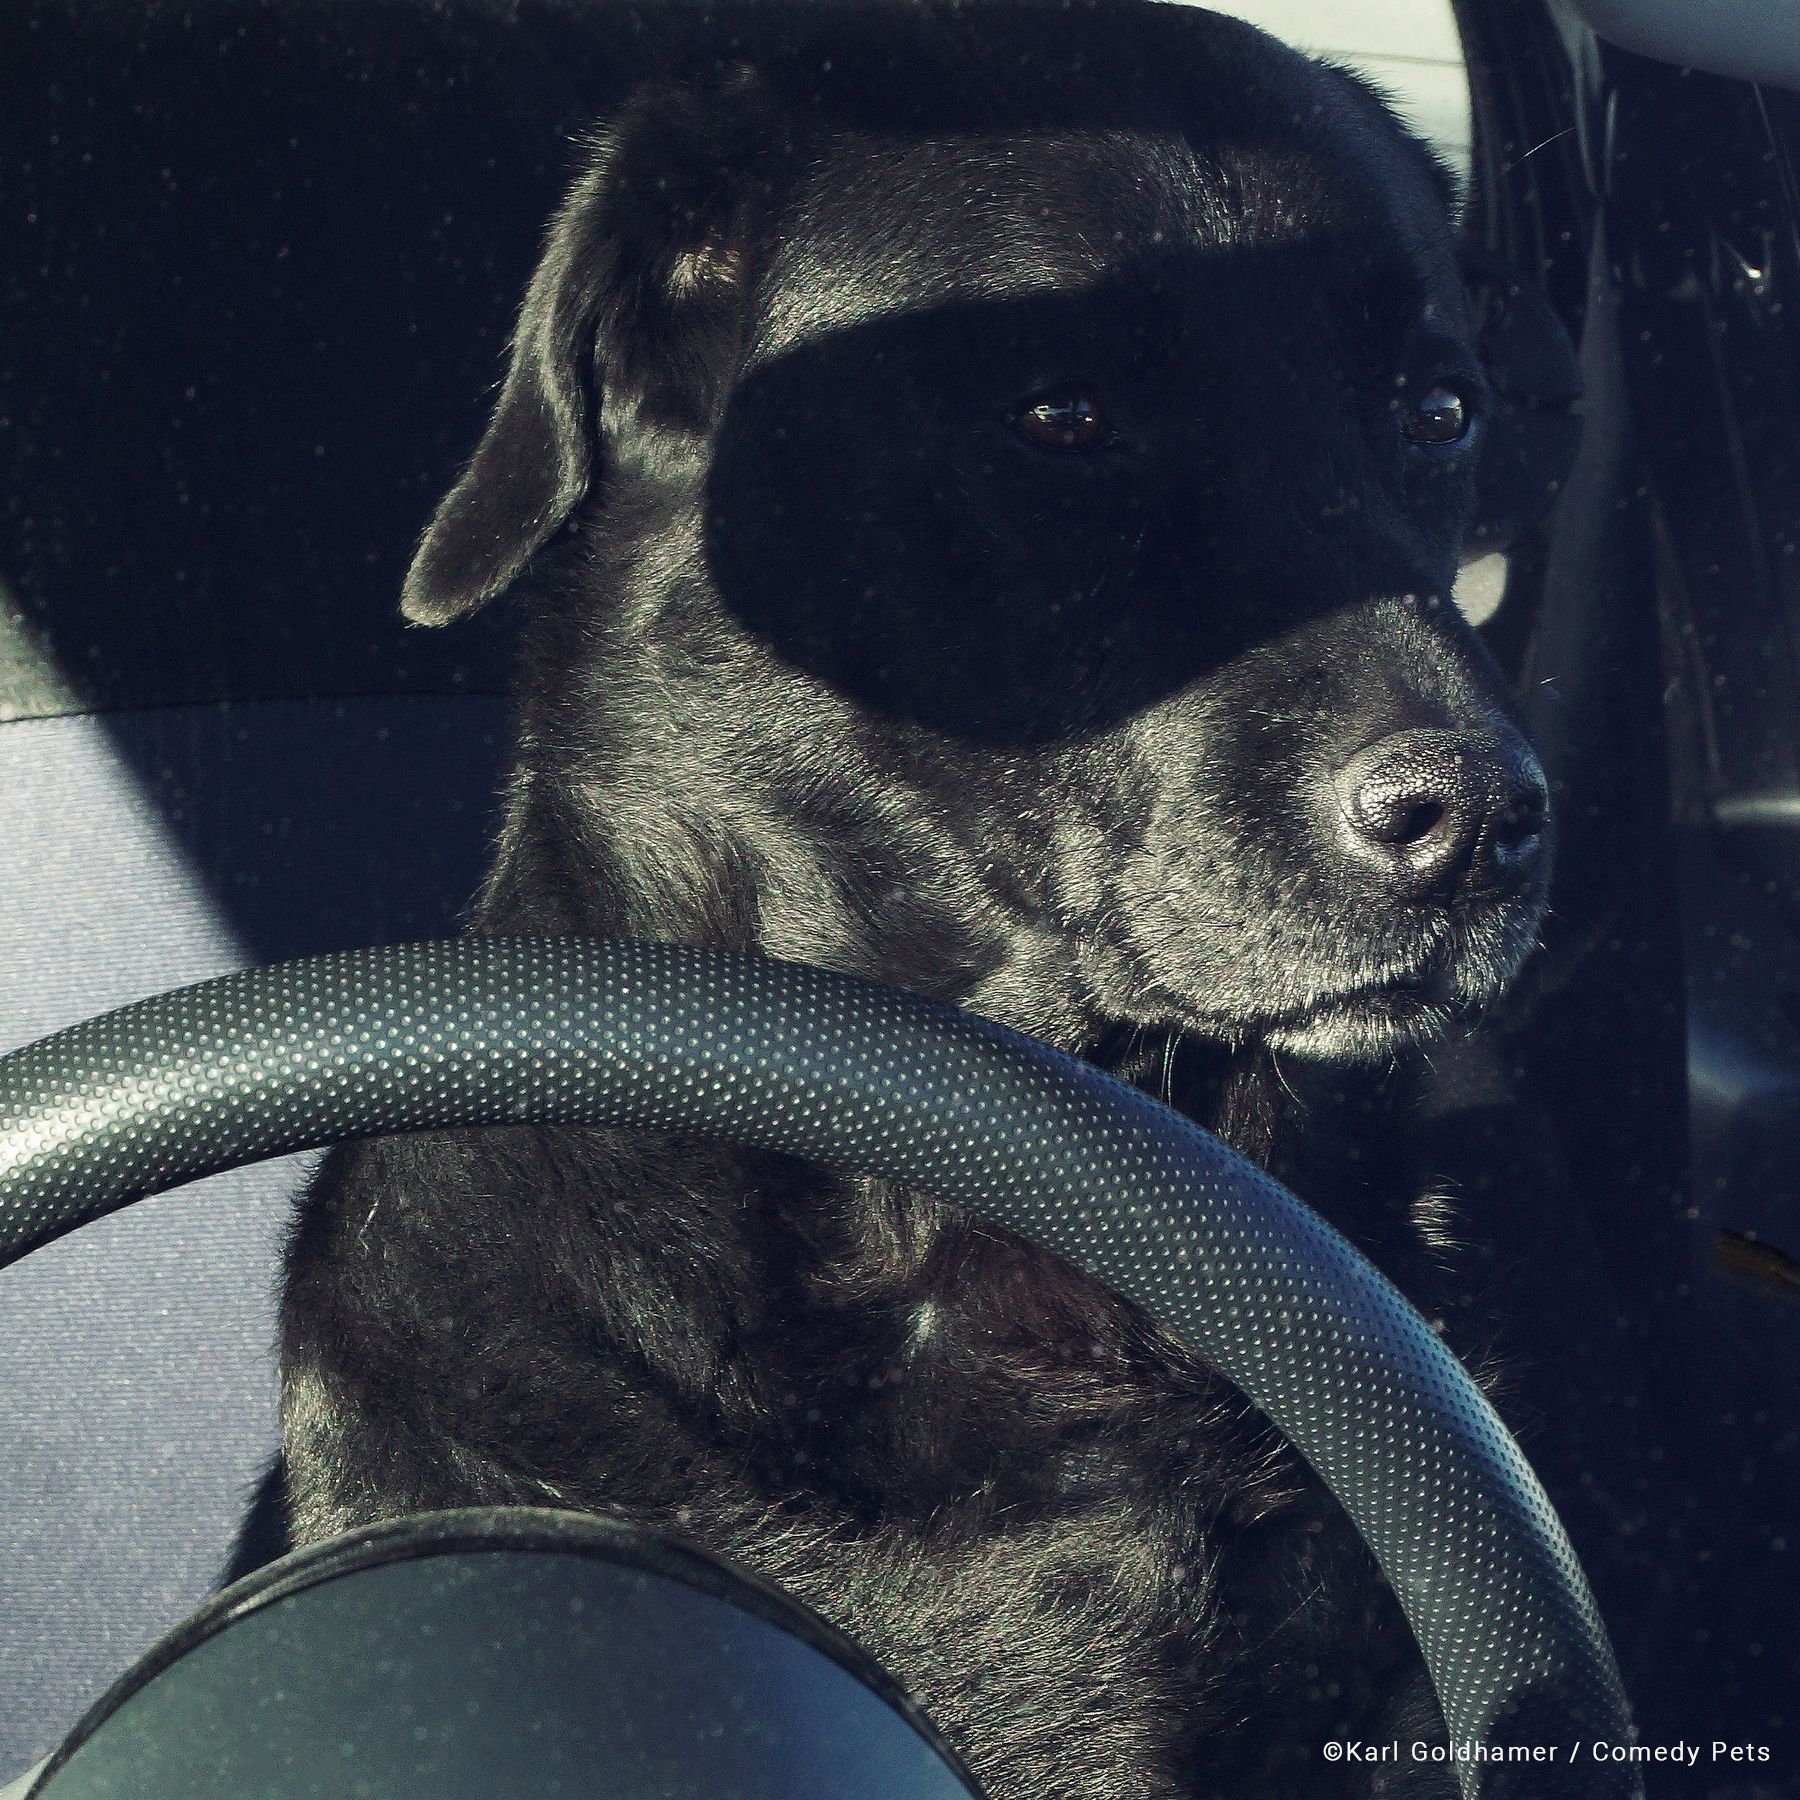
[984, 485]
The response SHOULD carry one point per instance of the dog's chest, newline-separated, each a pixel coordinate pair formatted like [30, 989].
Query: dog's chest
[987, 1468]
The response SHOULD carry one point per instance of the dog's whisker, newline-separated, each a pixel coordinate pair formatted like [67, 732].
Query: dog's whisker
[1171, 1043]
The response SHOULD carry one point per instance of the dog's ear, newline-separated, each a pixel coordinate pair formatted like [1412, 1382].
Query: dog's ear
[640, 284]
[532, 464]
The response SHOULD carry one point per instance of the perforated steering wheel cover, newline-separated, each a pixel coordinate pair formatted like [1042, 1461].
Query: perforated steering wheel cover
[857, 1076]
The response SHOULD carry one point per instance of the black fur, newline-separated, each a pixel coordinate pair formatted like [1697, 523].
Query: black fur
[825, 656]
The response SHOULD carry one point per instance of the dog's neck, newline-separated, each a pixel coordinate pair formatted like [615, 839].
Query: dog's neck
[550, 880]
[1335, 1135]
[609, 832]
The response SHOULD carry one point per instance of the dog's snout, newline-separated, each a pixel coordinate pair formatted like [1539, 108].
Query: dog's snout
[1441, 811]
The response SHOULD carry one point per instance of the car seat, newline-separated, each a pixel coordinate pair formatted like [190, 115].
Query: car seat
[217, 745]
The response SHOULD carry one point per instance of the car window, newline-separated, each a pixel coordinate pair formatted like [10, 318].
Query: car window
[1411, 50]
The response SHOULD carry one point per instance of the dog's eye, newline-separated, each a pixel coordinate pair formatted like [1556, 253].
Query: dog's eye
[1438, 417]
[1070, 421]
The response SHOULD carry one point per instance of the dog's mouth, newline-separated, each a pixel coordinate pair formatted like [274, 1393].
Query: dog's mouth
[1381, 1015]
[1353, 1023]
[1372, 1020]
[1366, 1024]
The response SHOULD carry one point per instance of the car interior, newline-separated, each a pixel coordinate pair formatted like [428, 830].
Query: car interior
[260, 262]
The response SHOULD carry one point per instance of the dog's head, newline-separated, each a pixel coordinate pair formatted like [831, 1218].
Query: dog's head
[991, 483]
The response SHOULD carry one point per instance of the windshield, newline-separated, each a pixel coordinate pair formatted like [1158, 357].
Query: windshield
[1265, 562]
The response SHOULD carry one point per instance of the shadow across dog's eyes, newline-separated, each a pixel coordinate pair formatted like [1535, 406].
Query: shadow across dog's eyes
[876, 516]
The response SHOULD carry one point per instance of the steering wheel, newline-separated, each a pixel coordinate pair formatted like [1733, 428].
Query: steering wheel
[504, 1651]
[489, 1031]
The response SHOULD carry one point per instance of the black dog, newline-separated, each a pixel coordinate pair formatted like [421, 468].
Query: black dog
[985, 486]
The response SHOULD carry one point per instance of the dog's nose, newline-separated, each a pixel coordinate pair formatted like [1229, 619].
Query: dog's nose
[1441, 811]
